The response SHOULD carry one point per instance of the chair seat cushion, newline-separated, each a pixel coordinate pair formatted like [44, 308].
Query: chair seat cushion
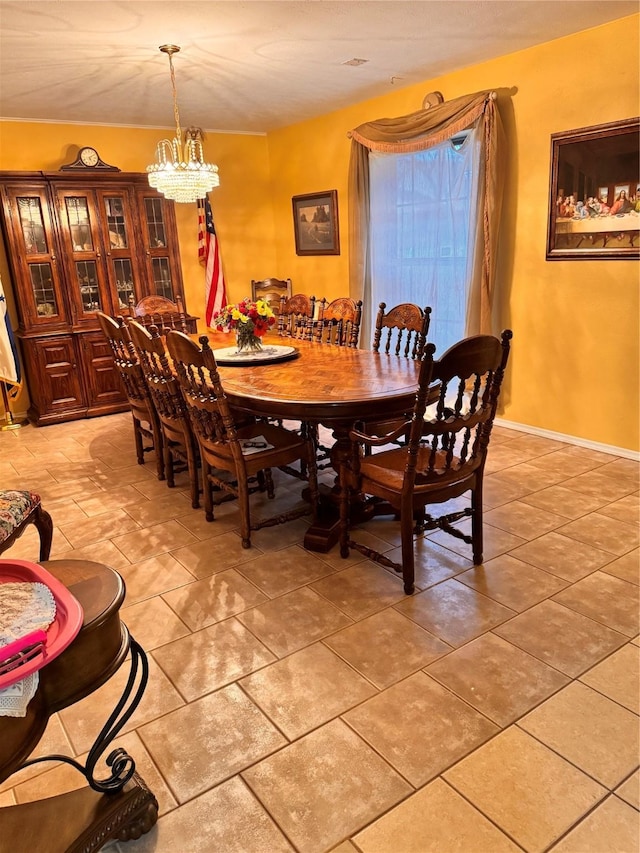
[15, 508]
[387, 469]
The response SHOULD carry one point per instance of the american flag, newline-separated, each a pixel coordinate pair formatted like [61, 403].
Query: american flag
[209, 255]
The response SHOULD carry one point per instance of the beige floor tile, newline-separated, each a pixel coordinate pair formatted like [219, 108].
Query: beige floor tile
[281, 572]
[228, 818]
[213, 598]
[498, 679]
[7, 799]
[618, 677]
[153, 488]
[563, 501]
[526, 789]
[76, 489]
[420, 727]
[523, 520]
[603, 532]
[108, 525]
[606, 599]
[318, 686]
[196, 522]
[130, 475]
[324, 787]
[436, 819]
[454, 612]
[407, 647]
[153, 623]
[151, 541]
[54, 742]
[293, 621]
[211, 658]
[629, 791]
[214, 555]
[110, 500]
[213, 738]
[627, 567]
[591, 731]
[345, 847]
[361, 590]
[100, 552]
[84, 720]
[498, 490]
[610, 488]
[153, 577]
[271, 539]
[532, 475]
[560, 637]
[626, 509]
[611, 826]
[148, 513]
[432, 562]
[627, 468]
[512, 582]
[496, 541]
[559, 555]
[66, 512]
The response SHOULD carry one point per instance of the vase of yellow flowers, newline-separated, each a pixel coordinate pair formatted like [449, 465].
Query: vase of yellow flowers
[249, 320]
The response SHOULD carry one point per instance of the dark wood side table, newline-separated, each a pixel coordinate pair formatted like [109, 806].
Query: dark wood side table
[119, 806]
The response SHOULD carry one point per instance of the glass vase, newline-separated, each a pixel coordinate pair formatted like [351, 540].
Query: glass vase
[247, 341]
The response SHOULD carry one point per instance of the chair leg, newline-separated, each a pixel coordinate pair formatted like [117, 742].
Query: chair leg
[477, 536]
[406, 536]
[158, 445]
[344, 515]
[137, 436]
[44, 525]
[192, 466]
[168, 464]
[245, 518]
[207, 491]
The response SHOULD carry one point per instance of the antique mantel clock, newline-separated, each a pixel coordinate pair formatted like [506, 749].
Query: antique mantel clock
[88, 158]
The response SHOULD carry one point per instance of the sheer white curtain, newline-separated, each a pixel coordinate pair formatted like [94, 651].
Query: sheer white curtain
[423, 225]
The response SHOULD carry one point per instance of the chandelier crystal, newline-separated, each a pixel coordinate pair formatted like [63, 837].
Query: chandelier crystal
[181, 173]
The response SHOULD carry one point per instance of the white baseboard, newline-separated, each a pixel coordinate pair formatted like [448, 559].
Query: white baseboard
[570, 439]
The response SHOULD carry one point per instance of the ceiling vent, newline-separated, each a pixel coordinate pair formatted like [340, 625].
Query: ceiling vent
[355, 62]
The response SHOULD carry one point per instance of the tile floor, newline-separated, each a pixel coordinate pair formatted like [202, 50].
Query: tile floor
[301, 702]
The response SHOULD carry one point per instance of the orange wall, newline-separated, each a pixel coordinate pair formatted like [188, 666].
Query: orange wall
[241, 205]
[575, 364]
[575, 361]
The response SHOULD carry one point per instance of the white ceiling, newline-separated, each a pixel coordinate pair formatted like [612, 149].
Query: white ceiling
[251, 65]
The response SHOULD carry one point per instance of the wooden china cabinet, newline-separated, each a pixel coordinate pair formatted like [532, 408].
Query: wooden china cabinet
[78, 242]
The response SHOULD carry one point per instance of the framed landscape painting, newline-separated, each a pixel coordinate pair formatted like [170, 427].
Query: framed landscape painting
[315, 223]
[594, 196]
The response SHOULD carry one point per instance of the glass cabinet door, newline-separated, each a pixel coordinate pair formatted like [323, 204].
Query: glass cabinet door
[41, 300]
[158, 231]
[120, 239]
[88, 287]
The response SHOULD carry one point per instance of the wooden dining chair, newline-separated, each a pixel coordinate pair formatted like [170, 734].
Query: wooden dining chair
[338, 322]
[146, 424]
[19, 509]
[244, 452]
[271, 291]
[295, 317]
[180, 445]
[445, 456]
[402, 330]
[161, 312]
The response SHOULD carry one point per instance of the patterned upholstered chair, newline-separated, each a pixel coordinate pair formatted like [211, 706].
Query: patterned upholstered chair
[18, 509]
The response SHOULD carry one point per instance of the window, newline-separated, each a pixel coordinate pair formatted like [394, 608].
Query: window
[423, 215]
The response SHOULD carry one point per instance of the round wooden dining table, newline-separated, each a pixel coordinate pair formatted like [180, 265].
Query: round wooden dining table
[323, 384]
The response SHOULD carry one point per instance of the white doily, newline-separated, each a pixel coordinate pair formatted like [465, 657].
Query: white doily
[24, 607]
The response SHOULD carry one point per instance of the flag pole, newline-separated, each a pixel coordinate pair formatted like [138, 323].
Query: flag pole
[9, 421]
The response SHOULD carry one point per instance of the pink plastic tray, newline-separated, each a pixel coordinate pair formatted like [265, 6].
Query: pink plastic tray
[64, 628]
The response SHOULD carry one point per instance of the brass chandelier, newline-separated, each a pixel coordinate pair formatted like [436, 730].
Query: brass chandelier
[180, 172]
